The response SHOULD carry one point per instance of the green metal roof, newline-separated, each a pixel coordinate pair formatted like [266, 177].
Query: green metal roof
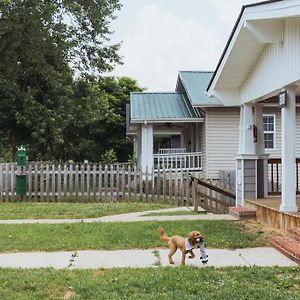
[160, 107]
[195, 84]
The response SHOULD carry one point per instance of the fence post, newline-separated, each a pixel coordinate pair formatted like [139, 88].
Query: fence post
[195, 195]
[88, 182]
[129, 183]
[41, 183]
[36, 182]
[105, 182]
[76, 182]
[47, 183]
[111, 171]
[71, 181]
[82, 176]
[65, 181]
[59, 183]
[100, 182]
[94, 181]
[12, 182]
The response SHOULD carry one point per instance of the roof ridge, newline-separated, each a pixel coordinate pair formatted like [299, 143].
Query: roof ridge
[196, 71]
[155, 93]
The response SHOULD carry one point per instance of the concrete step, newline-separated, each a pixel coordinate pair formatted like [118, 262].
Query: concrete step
[287, 246]
[242, 212]
[294, 233]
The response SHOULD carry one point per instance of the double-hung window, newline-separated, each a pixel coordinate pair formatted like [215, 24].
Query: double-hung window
[269, 131]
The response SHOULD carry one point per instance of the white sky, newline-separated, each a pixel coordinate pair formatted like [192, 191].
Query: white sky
[162, 37]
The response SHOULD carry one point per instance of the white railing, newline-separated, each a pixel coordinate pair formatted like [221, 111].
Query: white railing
[179, 161]
[172, 151]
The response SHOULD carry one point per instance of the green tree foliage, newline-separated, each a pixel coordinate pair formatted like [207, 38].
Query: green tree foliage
[43, 44]
[97, 119]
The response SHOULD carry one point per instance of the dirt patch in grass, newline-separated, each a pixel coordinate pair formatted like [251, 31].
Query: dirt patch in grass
[69, 294]
[266, 232]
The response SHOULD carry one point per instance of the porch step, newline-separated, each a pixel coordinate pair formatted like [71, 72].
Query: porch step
[242, 212]
[294, 233]
[287, 246]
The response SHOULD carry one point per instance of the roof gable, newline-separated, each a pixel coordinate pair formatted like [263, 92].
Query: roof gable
[194, 84]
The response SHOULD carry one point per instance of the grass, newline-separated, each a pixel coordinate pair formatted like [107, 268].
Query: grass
[155, 283]
[34, 210]
[112, 236]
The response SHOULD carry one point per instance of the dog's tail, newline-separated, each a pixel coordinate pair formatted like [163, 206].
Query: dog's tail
[162, 235]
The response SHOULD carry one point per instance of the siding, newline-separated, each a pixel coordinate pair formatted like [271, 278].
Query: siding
[202, 136]
[222, 138]
[278, 66]
[277, 152]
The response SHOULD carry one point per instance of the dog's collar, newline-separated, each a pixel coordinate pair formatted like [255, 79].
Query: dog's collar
[188, 245]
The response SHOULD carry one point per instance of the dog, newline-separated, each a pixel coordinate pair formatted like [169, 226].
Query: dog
[186, 245]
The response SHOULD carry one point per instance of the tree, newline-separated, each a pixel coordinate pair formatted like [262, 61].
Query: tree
[43, 43]
[97, 119]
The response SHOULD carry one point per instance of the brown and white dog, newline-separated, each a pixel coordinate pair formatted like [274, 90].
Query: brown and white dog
[186, 245]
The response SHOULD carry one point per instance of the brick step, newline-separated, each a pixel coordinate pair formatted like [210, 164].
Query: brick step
[242, 212]
[294, 233]
[287, 246]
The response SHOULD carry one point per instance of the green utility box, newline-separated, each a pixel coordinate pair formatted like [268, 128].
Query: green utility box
[22, 165]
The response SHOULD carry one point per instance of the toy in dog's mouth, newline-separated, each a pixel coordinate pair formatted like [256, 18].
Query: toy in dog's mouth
[199, 240]
[203, 255]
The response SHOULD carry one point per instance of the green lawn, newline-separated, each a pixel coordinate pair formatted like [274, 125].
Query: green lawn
[156, 283]
[108, 236]
[33, 210]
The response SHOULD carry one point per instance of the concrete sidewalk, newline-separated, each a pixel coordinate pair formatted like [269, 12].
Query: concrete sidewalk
[130, 217]
[265, 257]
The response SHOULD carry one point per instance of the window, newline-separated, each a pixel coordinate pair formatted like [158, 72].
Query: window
[269, 131]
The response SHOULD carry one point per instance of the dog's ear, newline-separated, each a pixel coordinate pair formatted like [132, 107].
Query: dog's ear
[191, 238]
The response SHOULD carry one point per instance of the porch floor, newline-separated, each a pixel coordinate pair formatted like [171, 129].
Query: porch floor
[274, 203]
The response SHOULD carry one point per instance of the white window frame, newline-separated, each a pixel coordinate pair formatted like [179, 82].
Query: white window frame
[273, 132]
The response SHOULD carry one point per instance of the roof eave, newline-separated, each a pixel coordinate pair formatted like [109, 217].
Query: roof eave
[173, 120]
[212, 82]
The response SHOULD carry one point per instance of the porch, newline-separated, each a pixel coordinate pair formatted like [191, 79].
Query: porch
[268, 213]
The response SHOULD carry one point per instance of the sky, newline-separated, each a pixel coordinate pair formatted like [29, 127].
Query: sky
[162, 37]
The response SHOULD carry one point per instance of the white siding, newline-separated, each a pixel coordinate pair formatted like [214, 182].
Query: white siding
[202, 137]
[278, 66]
[222, 136]
[276, 153]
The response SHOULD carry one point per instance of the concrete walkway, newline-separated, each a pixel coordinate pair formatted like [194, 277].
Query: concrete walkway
[265, 257]
[131, 217]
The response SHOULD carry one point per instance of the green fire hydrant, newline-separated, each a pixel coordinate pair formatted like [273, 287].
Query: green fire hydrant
[22, 165]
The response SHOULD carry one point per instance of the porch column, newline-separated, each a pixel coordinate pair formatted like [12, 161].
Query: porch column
[288, 133]
[147, 159]
[262, 163]
[246, 166]
[248, 145]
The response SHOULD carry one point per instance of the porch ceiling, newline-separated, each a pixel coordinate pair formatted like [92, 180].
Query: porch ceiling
[258, 26]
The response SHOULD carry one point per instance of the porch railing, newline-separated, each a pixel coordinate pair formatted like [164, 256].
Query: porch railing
[274, 175]
[172, 151]
[179, 161]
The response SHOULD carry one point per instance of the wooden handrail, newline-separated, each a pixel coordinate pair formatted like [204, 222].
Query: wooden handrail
[214, 188]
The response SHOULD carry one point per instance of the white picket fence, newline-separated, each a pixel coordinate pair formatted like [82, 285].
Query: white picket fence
[83, 182]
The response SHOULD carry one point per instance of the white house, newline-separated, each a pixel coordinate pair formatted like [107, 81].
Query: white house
[230, 118]
[260, 63]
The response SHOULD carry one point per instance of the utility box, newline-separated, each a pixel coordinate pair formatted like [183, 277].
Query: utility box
[22, 165]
